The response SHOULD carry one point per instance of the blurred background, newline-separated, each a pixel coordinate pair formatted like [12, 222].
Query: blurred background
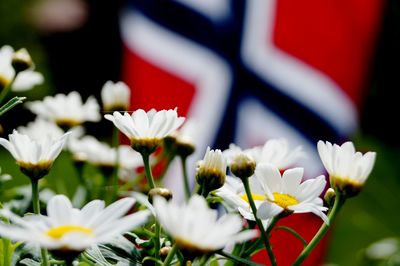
[248, 71]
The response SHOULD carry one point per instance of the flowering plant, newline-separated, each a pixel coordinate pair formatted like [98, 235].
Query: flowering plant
[129, 222]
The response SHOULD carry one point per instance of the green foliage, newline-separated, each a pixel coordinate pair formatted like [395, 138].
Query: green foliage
[119, 252]
[7, 250]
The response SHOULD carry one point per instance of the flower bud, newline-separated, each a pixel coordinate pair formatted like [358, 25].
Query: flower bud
[159, 191]
[21, 60]
[184, 149]
[210, 179]
[348, 169]
[243, 166]
[169, 143]
[330, 196]
[115, 96]
[211, 171]
[164, 251]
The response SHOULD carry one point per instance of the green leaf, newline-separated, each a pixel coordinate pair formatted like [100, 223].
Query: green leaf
[120, 251]
[30, 262]
[11, 104]
[94, 254]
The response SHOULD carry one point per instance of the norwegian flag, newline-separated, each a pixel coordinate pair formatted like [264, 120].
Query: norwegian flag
[249, 71]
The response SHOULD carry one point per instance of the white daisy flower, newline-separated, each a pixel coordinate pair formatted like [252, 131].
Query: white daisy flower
[41, 129]
[66, 110]
[33, 157]
[197, 228]
[99, 153]
[211, 171]
[146, 129]
[68, 228]
[93, 151]
[24, 80]
[277, 152]
[7, 72]
[115, 96]
[274, 193]
[234, 195]
[287, 193]
[232, 192]
[348, 169]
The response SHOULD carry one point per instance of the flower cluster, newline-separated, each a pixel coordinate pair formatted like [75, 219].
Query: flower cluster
[120, 204]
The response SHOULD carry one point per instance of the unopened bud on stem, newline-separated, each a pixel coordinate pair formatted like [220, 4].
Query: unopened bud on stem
[330, 196]
[159, 191]
[21, 60]
[243, 166]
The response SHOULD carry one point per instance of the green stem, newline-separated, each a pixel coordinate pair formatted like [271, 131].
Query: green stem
[181, 259]
[170, 256]
[204, 259]
[35, 196]
[156, 240]
[57, 262]
[185, 177]
[148, 258]
[237, 259]
[339, 201]
[36, 210]
[6, 256]
[236, 251]
[115, 143]
[149, 175]
[45, 260]
[271, 225]
[255, 246]
[258, 221]
[6, 244]
[130, 184]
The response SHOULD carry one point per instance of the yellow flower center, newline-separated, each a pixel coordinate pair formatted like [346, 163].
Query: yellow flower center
[60, 231]
[284, 200]
[254, 196]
